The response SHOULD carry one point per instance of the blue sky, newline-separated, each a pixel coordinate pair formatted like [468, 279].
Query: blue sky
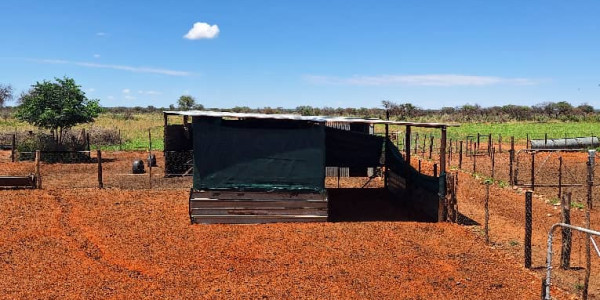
[318, 53]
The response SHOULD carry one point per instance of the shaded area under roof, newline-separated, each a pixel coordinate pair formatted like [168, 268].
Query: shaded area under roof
[318, 119]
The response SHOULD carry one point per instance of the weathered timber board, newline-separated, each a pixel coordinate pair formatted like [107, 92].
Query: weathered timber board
[232, 195]
[216, 203]
[264, 212]
[255, 219]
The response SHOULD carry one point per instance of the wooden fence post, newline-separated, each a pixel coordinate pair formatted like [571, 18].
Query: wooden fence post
[38, 175]
[565, 254]
[533, 170]
[486, 228]
[474, 163]
[500, 143]
[416, 143]
[13, 148]
[460, 155]
[588, 254]
[99, 157]
[419, 165]
[430, 146]
[435, 170]
[121, 142]
[528, 227]
[490, 144]
[478, 140]
[150, 157]
[511, 159]
[560, 167]
[493, 158]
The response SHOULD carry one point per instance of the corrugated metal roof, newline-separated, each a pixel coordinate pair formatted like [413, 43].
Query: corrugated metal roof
[319, 119]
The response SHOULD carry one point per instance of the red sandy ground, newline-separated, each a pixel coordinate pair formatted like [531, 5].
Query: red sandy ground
[70, 240]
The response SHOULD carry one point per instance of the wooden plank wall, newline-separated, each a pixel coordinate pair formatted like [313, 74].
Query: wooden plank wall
[208, 207]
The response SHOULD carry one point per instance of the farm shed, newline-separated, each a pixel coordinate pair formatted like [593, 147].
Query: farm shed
[260, 168]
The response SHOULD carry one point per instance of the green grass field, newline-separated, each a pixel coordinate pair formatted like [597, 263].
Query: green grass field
[134, 129]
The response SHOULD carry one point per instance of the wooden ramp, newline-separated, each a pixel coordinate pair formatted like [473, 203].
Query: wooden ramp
[209, 207]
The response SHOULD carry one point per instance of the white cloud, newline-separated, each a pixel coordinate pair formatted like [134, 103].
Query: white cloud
[202, 30]
[96, 55]
[128, 97]
[114, 67]
[149, 92]
[101, 34]
[126, 91]
[91, 90]
[110, 97]
[419, 80]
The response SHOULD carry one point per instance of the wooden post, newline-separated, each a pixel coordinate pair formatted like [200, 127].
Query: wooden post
[416, 142]
[87, 138]
[407, 144]
[387, 132]
[493, 158]
[430, 146]
[527, 142]
[120, 141]
[486, 224]
[560, 165]
[546, 140]
[528, 227]
[565, 254]
[533, 170]
[38, 176]
[435, 170]
[490, 143]
[511, 159]
[449, 152]
[588, 253]
[443, 140]
[13, 148]
[424, 145]
[419, 165]
[478, 141]
[500, 143]
[149, 156]
[460, 155]
[99, 156]
[474, 163]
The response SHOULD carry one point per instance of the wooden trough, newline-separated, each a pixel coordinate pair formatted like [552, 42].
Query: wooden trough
[208, 207]
[15, 182]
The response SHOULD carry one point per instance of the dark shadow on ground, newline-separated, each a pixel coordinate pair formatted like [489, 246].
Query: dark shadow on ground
[464, 220]
[359, 205]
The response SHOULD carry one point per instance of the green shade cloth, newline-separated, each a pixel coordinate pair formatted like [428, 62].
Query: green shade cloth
[352, 149]
[258, 154]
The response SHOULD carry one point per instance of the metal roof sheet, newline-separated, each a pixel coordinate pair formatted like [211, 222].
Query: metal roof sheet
[319, 119]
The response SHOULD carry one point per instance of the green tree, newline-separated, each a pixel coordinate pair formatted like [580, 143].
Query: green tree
[57, 106]
[187, 102]
[5, 94]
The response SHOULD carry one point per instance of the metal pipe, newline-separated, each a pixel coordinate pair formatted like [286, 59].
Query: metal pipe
[549, 252]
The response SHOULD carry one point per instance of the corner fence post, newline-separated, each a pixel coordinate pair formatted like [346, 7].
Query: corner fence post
[528, 228]
[486, 227]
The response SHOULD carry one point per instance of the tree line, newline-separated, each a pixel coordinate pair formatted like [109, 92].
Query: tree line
[542, 112]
